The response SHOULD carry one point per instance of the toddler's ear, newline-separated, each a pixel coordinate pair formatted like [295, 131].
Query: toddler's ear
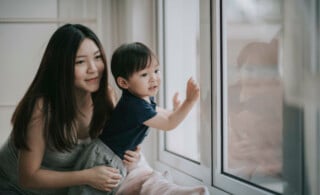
[122, 82]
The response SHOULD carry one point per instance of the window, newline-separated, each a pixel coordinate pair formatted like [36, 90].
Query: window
[256, 129]
[181, 28]
[261, 130]
[184, 53]
[253, 106]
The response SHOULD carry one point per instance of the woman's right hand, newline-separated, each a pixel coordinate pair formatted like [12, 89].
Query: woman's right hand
[103, 178]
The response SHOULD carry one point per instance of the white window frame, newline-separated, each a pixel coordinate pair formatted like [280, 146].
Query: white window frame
[311, 119]
[197, 172]
[186, 172]
[221, 180]
[230, 184]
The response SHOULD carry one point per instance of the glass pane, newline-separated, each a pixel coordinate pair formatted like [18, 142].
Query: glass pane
[181, 52]
[253, 142]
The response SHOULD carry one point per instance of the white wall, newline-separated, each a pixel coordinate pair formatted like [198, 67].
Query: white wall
[22, 42]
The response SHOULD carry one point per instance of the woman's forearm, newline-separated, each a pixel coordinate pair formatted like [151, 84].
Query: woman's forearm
[46, 179]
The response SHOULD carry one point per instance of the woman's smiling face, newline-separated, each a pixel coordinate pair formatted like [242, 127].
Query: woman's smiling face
[88, 67]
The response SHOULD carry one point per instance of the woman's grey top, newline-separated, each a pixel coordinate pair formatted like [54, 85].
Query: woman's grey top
[53, 160]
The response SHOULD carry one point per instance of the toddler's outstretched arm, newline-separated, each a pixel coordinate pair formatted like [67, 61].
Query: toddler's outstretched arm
[168, 120]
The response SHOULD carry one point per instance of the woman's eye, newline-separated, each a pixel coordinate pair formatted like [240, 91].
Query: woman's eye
[80, 62]
[157, 71]
[98, 57]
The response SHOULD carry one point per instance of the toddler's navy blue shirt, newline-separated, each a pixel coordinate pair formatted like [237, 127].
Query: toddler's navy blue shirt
[125, 129]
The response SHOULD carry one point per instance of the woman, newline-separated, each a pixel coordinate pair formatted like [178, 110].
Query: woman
[65, 107]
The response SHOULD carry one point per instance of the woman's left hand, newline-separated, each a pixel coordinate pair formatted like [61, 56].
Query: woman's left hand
[131, 158]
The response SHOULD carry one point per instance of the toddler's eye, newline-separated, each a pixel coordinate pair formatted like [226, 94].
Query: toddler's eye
[144, 74]
[157, 71]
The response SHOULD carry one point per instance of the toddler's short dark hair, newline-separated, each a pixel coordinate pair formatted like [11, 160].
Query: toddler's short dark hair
[130, 58]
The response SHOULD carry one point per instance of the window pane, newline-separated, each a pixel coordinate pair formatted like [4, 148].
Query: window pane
[253, 138]
[181, 53]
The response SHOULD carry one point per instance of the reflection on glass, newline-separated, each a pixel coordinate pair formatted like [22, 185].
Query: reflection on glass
[181, 33]
[253, 139]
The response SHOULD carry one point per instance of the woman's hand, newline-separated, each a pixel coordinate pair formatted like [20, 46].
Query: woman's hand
[131, 158]
[103, 178]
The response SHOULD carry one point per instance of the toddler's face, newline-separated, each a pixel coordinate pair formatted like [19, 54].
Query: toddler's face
[146, 82]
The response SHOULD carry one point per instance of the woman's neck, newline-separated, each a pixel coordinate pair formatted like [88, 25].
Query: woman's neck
[83, 100]
[85, 108]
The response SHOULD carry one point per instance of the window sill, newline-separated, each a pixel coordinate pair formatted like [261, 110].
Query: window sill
[184, 179]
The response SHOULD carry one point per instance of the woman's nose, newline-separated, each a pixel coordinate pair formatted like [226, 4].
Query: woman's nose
[92, 67]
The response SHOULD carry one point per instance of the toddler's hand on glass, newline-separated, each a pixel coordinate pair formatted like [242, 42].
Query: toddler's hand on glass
[193, 91]
[176, 101]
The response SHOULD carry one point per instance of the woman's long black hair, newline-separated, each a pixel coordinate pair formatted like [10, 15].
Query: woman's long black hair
[54, 84]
